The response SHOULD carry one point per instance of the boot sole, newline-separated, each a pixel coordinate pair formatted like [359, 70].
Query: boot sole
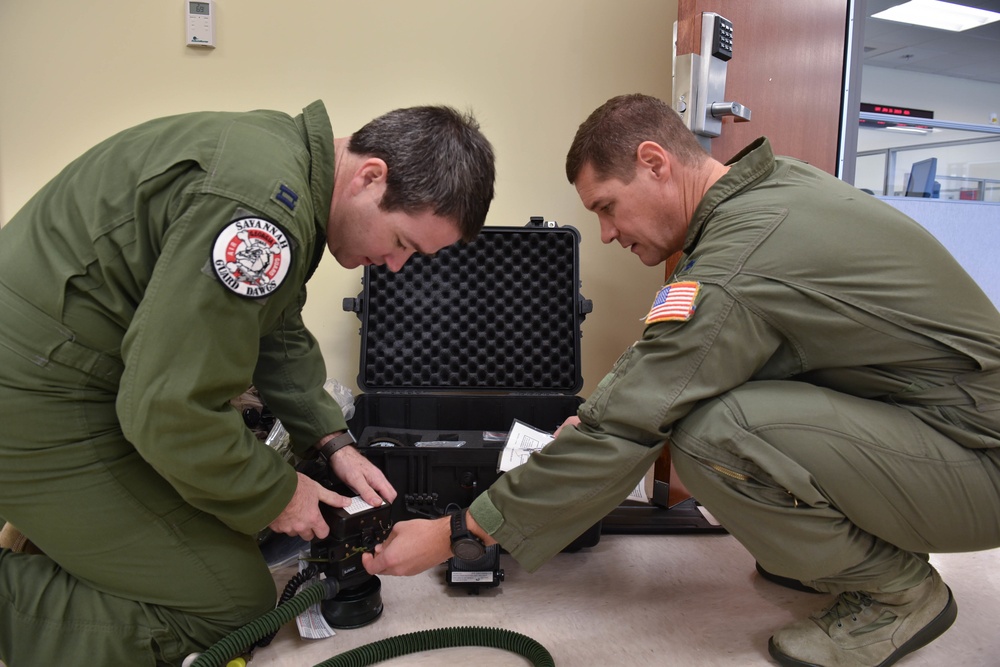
[924, 636]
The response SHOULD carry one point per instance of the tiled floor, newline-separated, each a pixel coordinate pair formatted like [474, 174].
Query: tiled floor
[638, 601]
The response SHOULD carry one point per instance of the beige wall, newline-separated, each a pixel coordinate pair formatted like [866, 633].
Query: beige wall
[72, 73]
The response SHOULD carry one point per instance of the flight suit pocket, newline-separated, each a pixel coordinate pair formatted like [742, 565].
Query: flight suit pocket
[29, 332]
[982, 388]
[42, 340]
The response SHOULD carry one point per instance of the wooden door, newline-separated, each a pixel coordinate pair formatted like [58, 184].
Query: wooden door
[788, 68]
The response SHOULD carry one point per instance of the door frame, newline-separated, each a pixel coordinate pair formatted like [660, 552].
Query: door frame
[850, 107]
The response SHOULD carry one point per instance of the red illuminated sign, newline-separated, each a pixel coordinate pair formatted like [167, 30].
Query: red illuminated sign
[891, 110]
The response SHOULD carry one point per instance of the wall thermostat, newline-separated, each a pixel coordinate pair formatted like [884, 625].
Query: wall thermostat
[201, 23]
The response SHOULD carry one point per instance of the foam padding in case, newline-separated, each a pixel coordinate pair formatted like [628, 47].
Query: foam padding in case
[502, 313]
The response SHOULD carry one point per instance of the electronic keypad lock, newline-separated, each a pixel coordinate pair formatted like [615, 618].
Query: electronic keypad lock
[700, 80]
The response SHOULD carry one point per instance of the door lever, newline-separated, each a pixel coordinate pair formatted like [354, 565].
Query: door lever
[700, 78]
[741, 113]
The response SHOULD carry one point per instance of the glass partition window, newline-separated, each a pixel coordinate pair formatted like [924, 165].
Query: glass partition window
[967, 160]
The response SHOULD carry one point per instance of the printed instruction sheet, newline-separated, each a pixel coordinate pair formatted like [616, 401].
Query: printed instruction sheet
[524, 440]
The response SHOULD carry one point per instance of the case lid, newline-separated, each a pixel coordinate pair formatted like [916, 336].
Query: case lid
[500, 314]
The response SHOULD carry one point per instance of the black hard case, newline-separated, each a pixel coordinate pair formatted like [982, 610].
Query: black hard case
[459, 345]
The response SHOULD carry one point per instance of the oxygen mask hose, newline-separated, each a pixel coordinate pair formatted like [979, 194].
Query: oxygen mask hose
[426, 640]
[235, 643]
[375, 652]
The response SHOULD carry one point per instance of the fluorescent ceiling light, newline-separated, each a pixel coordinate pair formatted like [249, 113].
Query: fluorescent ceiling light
[941, 15]
[910, 130]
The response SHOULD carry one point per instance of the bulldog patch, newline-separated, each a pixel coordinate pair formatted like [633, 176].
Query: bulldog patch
[251, 257]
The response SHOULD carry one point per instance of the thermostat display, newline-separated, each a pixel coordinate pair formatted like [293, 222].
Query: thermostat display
[200, 23]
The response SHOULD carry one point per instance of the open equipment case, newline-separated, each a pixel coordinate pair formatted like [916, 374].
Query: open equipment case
[457, 346]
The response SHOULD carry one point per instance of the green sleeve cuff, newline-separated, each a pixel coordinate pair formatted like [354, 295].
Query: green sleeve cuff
[491, 520]
[486, 514]
[325, 422]
[282, 495]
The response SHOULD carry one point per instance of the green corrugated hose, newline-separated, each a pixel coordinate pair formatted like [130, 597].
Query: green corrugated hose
[235, 643]
[425, 640]
[370, 654]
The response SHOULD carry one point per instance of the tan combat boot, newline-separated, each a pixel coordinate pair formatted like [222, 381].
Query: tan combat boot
[868, 629]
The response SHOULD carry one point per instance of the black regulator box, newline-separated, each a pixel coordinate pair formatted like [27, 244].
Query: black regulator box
[455, 348]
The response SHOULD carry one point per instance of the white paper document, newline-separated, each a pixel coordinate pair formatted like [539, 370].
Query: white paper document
[311, 623]
[524, 440]
[358, 504]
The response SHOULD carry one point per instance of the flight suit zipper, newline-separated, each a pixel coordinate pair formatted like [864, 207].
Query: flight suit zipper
[729, 473]
[732, 474]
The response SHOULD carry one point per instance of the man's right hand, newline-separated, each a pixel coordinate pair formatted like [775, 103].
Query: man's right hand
[417, 545]
[302, 517]
[570, 421]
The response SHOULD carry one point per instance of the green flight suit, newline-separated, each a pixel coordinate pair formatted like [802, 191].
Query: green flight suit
[833, 396]
[150, 282]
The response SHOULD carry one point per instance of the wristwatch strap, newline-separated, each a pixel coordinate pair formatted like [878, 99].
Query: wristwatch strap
[464, 545]
[334, 445]
[458, 527]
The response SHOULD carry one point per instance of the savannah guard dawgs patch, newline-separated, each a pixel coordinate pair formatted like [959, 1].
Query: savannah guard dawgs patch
[251, 257]
[675, 302]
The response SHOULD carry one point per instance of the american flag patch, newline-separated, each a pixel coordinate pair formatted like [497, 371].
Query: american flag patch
[675, 302]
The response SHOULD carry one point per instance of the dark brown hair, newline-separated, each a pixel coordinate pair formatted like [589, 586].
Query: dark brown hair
[437, 160]
[609, 138]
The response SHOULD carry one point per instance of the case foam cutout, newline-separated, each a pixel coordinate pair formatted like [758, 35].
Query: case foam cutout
[499, 313]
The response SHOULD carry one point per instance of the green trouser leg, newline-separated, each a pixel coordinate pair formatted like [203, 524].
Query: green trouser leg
[132, 575]
[51, 618]
[836, 491]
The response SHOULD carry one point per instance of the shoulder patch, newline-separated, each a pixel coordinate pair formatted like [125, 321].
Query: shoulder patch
[251, 256]
[674, 302]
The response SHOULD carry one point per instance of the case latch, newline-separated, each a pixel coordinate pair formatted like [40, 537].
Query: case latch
[354, 304]
[539, 221]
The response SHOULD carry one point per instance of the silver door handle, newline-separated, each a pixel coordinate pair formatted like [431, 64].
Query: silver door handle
[741, 113]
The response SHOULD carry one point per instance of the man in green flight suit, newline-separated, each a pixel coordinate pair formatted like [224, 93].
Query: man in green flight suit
[826, 374]
[150, 282]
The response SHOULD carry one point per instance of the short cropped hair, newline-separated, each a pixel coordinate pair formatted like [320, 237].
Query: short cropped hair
[437, 160]
[609, 138]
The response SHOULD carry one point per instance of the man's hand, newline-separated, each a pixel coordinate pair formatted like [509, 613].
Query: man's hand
[302, 516]
[417, 545]
[412, 547]
[352, 468]
[570, 421]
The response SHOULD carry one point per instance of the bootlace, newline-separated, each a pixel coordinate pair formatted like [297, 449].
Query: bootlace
[848, 604]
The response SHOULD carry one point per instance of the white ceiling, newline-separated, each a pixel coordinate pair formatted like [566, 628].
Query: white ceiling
[971, 54]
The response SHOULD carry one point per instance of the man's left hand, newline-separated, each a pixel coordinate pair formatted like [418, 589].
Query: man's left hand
[352, 468]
